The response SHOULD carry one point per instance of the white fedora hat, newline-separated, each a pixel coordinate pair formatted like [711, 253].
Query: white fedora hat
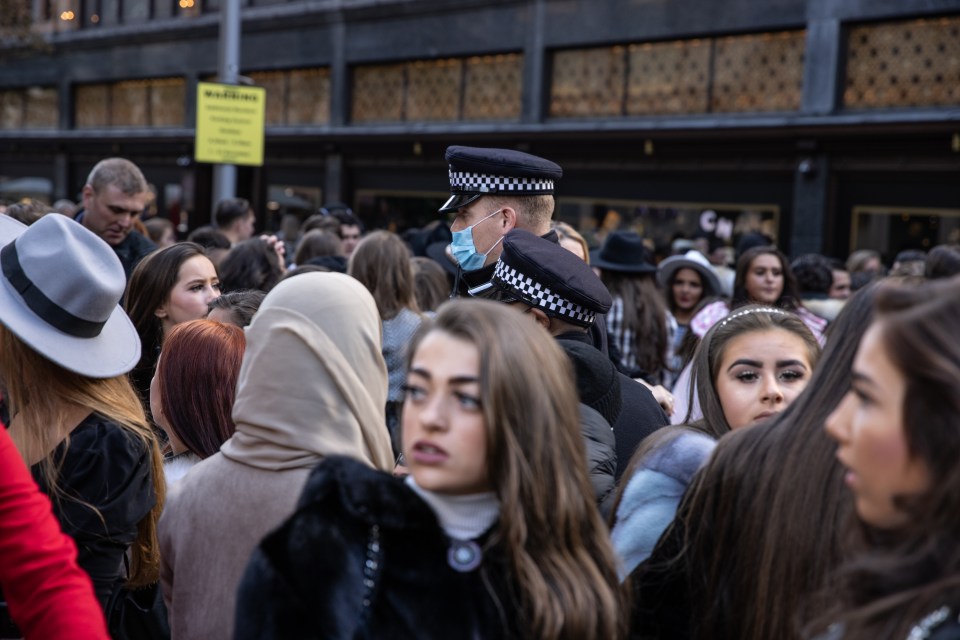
[690, 260]
[60, 289]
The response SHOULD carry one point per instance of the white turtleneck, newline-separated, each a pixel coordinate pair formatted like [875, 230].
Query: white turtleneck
[461, 517]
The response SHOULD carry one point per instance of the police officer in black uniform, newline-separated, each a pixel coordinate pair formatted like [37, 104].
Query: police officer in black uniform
[494, 191]
[561, 293]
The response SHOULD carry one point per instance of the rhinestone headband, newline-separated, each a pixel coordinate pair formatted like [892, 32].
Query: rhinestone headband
[747, 312]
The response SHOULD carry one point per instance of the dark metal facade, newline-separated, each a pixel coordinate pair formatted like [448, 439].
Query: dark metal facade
[817, 144]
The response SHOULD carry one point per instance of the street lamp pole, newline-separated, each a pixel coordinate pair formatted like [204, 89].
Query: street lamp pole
[228, 69]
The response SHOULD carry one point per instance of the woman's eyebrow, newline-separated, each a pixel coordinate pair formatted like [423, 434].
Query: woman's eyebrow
[791, 363]
[750, 363]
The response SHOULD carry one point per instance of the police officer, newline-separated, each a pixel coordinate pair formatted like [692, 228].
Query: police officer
[494, 191]
[561, 293]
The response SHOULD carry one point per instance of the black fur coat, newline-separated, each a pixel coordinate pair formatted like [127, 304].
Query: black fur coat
[364, 557]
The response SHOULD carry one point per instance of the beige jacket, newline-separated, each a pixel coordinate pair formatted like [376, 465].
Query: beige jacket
[313, 383]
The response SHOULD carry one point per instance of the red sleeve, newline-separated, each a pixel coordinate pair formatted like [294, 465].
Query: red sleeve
[49, 596]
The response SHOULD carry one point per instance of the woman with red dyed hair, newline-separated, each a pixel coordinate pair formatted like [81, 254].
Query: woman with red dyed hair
[192, 392]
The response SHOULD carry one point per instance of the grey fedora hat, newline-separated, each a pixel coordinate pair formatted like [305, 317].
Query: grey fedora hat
[60, 290]
[695, 260]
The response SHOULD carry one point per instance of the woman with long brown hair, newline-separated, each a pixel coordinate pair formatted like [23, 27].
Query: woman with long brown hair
[171, 285]
[638, 322]
[493, 535]
[898, 438]
[749, 367]
[65, 349]
[771, 498]
[381, 262]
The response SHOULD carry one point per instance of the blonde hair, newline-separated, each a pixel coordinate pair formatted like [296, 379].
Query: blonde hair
[567, 232]
[40, 393]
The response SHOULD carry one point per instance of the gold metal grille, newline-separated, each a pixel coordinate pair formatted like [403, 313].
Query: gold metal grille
[92, 106]
[758, 72]
[378, 93]
[168, 102]
[493, 87]
[904, 64]
[476, 88]
[668, 77]
[433, 91]
[588, 82]
[129, 104]
[275, 82]
[157, 102]
[308, 96]
[33, 108]
[745, 73]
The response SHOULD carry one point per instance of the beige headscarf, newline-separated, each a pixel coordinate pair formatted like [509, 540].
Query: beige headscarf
[313, 381]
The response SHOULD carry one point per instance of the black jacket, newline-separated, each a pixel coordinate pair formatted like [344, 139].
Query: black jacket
[640, 416]
[601, 455]
[364, 557]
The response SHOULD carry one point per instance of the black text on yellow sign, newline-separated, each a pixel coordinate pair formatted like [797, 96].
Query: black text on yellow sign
[230, 124]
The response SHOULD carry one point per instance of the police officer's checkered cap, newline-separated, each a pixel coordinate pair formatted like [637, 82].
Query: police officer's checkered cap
[537, 295]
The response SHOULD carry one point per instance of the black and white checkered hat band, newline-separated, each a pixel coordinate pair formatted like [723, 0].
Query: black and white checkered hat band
[536, 294]
[484, 183]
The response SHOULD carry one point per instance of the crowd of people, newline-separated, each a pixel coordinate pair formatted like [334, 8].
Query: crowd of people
[487, 429]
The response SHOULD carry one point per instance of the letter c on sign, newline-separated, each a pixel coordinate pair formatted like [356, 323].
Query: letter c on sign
[708, 220]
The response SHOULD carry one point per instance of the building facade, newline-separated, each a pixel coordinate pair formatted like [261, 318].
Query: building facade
[828, 124]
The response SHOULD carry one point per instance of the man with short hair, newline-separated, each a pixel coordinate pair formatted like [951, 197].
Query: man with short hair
[840, 283]
[494, 191]
[115, 194]
[351, 229]
[235, 219]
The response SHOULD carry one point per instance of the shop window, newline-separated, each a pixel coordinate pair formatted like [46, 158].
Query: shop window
[662, 222]
[890, 230]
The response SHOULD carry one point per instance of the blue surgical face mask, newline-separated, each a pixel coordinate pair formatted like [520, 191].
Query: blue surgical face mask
[465, 251]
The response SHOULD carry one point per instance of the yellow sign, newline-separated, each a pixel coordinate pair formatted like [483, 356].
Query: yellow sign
[230, 124]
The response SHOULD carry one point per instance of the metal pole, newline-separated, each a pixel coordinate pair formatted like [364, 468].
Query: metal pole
[228, 69]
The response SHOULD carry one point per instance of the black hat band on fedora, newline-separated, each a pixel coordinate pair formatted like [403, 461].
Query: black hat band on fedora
[39, 303]
[535, 294]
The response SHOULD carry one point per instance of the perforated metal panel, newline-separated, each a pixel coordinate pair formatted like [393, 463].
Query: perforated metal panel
[378, 93]
[32, 108]
[493, 87]
[903, 64]
[275, 83]
[745, 73]
[668, 77]
[167, 102]
[588, 82]
[308, 96]
[758, 72]
[450, 89]
[433, 91]
[92, 106]
[129, 104]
